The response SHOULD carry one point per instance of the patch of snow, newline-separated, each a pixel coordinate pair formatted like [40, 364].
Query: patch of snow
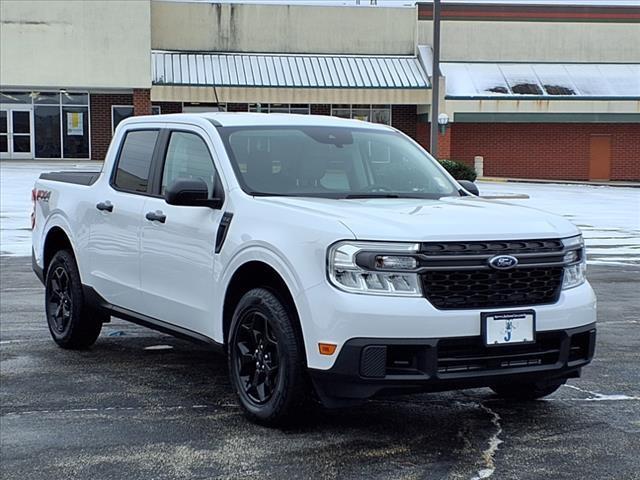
[609, 217]
[159, 347]
[601, 397]
[16, 181]
[494, 443]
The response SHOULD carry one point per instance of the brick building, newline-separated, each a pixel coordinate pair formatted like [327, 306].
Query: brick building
[537, 91]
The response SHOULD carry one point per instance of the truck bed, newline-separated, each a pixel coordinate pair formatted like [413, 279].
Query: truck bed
[79, 178]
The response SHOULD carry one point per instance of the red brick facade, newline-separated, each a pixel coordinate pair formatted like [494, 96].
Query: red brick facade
[141, 101]
[100, 117]
[520, 150]
[545, 150]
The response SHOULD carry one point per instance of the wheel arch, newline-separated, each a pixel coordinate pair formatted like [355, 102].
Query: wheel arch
[56, 239]
[258, 274]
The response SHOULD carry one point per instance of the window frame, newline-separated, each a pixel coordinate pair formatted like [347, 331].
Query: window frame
[370, 107]
[154, 155]
[113, 126]
[160, 156]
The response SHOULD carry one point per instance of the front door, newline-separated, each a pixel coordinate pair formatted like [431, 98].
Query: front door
[178, 242]
[600, 157]
[16, 132]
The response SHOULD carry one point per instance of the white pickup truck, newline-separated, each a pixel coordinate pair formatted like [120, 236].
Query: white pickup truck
[330, 259]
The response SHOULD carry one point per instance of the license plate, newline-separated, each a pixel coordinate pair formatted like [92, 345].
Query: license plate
[508, 328]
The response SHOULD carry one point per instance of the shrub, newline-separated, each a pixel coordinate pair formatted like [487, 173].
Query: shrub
[459, 170]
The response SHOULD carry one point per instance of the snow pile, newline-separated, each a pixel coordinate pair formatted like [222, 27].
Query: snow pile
[16, 182]
[609, 217]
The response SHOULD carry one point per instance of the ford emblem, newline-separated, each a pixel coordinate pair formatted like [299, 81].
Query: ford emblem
[503, 262]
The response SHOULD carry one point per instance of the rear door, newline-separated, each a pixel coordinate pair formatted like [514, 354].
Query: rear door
[114, 243]
[178, 251]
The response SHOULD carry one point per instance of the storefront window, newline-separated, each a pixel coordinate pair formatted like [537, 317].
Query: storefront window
[15, 97]
[60, 123]
[299, 108]
[47, 129]
[367, 113]
[46, 98]
[120, 112]
[75, 132]
[72, 98]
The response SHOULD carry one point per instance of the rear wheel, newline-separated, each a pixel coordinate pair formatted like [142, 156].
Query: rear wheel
[528, 390]
[71, 323]
[266, 359]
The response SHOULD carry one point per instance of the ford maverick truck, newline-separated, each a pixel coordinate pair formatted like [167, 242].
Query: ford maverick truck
[329, 259]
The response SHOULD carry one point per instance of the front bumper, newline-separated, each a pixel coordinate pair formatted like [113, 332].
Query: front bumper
[367, 367]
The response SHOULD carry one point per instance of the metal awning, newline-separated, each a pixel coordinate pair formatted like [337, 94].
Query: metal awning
[570, 81]
[251, 70]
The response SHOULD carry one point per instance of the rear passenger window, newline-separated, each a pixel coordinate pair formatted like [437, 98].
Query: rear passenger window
[188, 157]
[134, 164]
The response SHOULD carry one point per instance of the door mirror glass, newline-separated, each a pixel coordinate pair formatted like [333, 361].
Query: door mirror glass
[189, 192]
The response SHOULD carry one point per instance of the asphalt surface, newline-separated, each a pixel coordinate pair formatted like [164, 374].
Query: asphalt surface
[121, 411]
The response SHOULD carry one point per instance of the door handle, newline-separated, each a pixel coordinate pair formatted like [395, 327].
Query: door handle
[156, 216]
[105, 206]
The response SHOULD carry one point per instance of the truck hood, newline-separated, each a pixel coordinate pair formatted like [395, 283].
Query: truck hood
[449, 218]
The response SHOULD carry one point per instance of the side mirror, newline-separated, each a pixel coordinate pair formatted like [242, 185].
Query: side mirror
[469, 187]
[190, 192]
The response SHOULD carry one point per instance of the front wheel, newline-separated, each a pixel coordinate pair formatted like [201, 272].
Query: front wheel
[528, 390]
[266, 359]
[71, 323]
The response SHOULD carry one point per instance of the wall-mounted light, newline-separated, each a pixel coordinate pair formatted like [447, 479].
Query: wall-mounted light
[443, 123]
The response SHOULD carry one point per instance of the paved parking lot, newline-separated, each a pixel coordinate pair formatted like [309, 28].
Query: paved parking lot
[122, 410]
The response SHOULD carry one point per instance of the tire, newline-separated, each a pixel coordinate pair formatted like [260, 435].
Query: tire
[71, 323]
[527, 390]
[266, 359]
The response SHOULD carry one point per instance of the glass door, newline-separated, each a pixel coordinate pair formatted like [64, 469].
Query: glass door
[16, 132]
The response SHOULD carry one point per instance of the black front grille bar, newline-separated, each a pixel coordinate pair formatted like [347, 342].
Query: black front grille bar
[480, 262]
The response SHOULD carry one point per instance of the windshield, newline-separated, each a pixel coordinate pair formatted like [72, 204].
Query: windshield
[332, 162]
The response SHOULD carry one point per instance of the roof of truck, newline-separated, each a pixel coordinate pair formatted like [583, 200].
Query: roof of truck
[241, 119]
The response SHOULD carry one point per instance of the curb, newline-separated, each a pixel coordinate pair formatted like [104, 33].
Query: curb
[560, 182]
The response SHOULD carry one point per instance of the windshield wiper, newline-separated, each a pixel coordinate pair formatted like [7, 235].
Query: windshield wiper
[372, 195]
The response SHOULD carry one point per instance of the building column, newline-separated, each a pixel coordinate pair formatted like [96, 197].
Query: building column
[141, 101]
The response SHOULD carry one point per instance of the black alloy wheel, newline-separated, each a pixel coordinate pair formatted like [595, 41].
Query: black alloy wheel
[267, 364]
[72, 323]
[59, 301]
[257, 356]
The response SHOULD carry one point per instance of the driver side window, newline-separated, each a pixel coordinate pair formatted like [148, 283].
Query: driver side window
[188, 157]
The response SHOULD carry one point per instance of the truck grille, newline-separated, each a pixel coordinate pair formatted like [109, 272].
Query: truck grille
[457, 275]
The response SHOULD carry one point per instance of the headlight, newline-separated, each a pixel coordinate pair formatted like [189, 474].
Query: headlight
[575, 271]
[374, 268]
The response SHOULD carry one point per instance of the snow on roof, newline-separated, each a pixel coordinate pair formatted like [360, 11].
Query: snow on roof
[541, 79]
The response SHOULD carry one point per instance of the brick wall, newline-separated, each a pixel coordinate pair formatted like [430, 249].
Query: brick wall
[405, 119]
[545, 150]
[141, 101]
[100, 116]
